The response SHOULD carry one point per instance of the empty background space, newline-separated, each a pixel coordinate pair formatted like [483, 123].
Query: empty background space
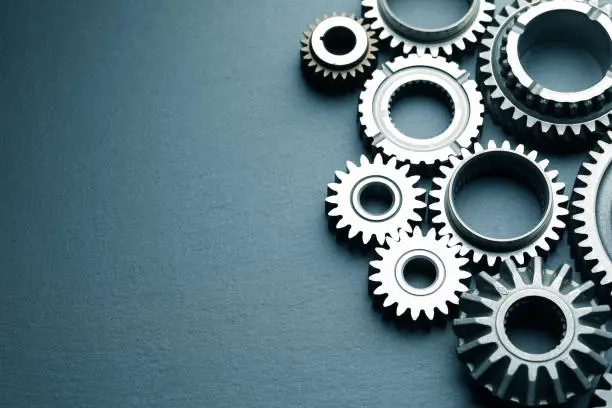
[163, 170]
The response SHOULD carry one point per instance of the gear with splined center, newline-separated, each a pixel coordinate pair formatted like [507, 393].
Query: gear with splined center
[389, 285]
[551, 119]
[348, 216]
[555, 376]
[504, 162]
[446, 41]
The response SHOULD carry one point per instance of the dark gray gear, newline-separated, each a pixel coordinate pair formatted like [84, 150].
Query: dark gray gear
[602, 398]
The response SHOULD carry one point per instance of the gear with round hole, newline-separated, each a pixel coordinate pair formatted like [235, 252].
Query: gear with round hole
[507, 162]
[552, 120]
[448, 41]
[602, 397]
[441, 79]
[591, 219]
[338, 53]
[349, 218]
[394, 292]
[496, 304]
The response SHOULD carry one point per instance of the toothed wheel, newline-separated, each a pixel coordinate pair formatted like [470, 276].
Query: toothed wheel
[446, 41]
[591, 219]
[338, 53]
[416, 253]
[380, 182]
[551, 119]
[506, 162]
[602, 398]
[440, 78]
[516, 296]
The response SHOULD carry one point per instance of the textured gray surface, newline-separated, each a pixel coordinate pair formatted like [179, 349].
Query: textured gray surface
[163, 168]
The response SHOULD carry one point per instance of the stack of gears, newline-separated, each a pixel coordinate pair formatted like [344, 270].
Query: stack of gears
[489, 284]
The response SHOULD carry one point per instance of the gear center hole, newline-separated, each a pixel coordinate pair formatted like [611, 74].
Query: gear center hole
[535, 325]
[339, 40]
[559, 58]
[429, 14]
[421, 110]
[376, 198]
[420, 272]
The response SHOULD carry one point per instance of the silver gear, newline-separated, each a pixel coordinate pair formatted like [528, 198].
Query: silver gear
[496, 303]
[447, 41]
[388, 284]
[602, 398]
[351, 220]
[330, 71]
[591, 221]
[525, 108]
[508, 162]
[443, 79]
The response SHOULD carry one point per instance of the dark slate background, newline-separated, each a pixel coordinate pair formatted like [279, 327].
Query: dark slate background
[163, 169]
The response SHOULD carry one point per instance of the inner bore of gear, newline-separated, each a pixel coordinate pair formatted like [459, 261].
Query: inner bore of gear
[420, 272]
[535, 325]
[507, 165]
[339, 40]
[376, 198]
[430, 14]
[421, 88]
[550, 28]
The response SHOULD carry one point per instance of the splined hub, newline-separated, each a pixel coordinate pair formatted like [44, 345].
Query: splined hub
[507, 162]
[554, 376]
[525, 107]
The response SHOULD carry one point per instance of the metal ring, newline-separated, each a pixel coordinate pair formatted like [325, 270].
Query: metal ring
[326, 57]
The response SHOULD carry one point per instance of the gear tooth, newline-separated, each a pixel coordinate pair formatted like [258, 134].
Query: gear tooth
[536, 268]
[598, 314]
[510, 273]
[380, 291]
[533, 155]
[577, 372]
[531, 386]
[478, 147]
[366, 237]
[342, 223]
[558, 392]
[506, 379]
[586, 289]
[414, 314]
[597, 338]
[376, 264]
[491, 144]
[506, 145]
[471, 303]
[388, 302]
[351, 167]
[353, 232]
[364, 161]
[378, 159]
[486, 283]
[381, 251]
[474, 344]
[400, 310]
[544, 164]
[562, 275]
[429, 313]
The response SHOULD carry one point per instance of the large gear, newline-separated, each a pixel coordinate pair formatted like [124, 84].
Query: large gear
[591, 220]
[445, 80]
[447, 41]
[497, 305]
[338, 53]
[551, 119]
[383, 181]
[507, 162]
[389, 284]
[602, 397]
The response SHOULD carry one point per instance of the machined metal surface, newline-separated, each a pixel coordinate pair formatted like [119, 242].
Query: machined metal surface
[338, 52]
[447, 41]
[349, 217]
[497, 303]
[390, 287]
[505, 162]
[591, 218]
[436, 76]
[602, 398]
[552, 119]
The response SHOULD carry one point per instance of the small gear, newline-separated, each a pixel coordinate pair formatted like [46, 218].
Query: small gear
[388, 283]
[591, 220]
[381, 182]
[602, 398]
[446, 41]
[551, 119]
[505, 162]
[445, 80]
[338, 53]
[517, 297]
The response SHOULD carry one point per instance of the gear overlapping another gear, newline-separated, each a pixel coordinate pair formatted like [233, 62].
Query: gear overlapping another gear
[388, 283]
[445, 41]
[338, 53]
[383, 182]
[602, 397]
[591, 219]
[553, 120]
[497, 304]
[507, 162]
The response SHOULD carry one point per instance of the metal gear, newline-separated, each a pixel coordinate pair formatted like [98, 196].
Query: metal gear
[447, 41]
[602, 398]
[506, 162]
[591, 220]
[519, 296]
[381, 181]
[445, 80]
[525, 108]
[338, 53]
[389, 285]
